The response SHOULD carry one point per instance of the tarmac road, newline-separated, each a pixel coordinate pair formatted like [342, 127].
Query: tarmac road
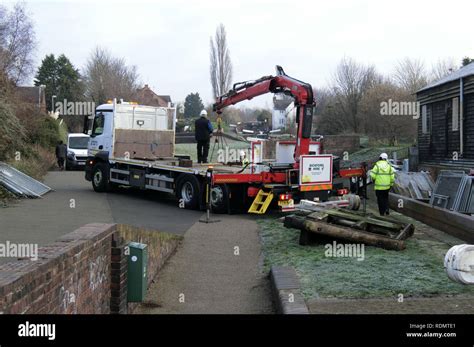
[74, 203]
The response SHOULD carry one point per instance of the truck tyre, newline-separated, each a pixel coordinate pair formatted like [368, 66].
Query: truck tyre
[189, 191]
[220, 198]
[100, 177]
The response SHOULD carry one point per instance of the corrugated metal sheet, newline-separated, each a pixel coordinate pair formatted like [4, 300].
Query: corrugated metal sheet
[464, 201]
[416, 185]
[454, 190]
[446, 189]
[20, 184]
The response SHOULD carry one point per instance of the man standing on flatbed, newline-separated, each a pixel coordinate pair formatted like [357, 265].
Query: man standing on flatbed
[203, 130]
[383, 176]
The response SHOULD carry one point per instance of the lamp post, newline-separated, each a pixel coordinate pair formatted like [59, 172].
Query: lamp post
[52, 103]
[42, 86]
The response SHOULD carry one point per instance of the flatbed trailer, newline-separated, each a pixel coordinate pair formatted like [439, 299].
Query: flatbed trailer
[233, 187]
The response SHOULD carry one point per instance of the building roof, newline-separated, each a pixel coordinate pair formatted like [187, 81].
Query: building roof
[166, 98]
[465, 71]
[146, 96]
[281, 103]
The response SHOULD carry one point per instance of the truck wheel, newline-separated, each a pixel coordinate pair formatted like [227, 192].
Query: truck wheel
[219, 198]
[188, 191]
[100, 177]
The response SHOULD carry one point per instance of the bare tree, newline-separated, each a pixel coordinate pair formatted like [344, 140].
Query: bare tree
[442, 68]
[410, 74]
[390, 128]
[17, 43]
[220, 63]
[108, 77]
[350, 82]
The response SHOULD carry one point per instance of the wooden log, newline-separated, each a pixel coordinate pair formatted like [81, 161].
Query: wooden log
[293, 221]
[406, 232]
[370, 219]
[340, 232]
[343, 233]
[353, 235]
[453, 223]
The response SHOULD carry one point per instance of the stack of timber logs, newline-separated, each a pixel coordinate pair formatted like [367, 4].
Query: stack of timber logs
[351, 226]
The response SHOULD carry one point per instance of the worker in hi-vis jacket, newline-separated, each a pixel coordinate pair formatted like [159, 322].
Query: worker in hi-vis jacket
[383, 176]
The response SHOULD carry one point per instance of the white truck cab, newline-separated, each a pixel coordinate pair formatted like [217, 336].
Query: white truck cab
[77, 144]
[101, 132]
[115, 125]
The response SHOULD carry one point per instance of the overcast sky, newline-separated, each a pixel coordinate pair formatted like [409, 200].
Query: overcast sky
[168, 40]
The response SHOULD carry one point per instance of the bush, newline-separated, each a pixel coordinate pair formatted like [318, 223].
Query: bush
[35, 162]
[12, 133]
[40, 128]
[47, 134]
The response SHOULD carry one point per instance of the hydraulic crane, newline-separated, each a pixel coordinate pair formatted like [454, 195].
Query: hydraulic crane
[310, 179]
[281, 83]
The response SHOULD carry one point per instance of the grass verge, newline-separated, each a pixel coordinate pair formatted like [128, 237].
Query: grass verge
[416, 271]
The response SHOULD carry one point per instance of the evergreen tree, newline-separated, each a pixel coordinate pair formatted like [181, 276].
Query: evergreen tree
[61, 78]
[47, 76]
[193, 105]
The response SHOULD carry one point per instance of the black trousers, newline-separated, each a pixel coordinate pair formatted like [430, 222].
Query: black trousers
[203, 150]
[382, 201]
[61, 162]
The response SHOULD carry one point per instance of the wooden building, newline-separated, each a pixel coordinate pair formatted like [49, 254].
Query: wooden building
[446, 121]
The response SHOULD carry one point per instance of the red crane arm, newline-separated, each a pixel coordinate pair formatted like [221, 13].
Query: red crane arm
[281, 83]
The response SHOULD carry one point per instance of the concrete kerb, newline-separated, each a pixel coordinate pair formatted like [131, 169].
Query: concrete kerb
[286, 290]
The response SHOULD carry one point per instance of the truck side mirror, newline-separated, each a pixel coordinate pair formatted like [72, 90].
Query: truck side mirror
[86, 124]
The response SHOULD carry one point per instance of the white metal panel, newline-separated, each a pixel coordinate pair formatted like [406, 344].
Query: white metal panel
[141, 117]
[284, 151]
[315, 169]
[21, 184]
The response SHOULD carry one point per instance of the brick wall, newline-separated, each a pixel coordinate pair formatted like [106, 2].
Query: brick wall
[71, 275]
[82, 272]
[160, 247]
[118, 277]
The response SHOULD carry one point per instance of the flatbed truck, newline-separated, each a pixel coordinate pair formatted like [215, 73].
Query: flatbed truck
[133, 145]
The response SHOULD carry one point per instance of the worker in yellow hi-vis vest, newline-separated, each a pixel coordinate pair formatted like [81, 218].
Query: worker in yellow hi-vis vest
[243, 159]
[383, 176]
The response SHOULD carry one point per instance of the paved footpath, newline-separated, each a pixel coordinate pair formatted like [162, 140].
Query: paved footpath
[208, 274]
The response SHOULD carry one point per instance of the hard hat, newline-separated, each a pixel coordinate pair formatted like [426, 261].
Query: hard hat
[384, 156]
[242, 153]
[203, 113]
